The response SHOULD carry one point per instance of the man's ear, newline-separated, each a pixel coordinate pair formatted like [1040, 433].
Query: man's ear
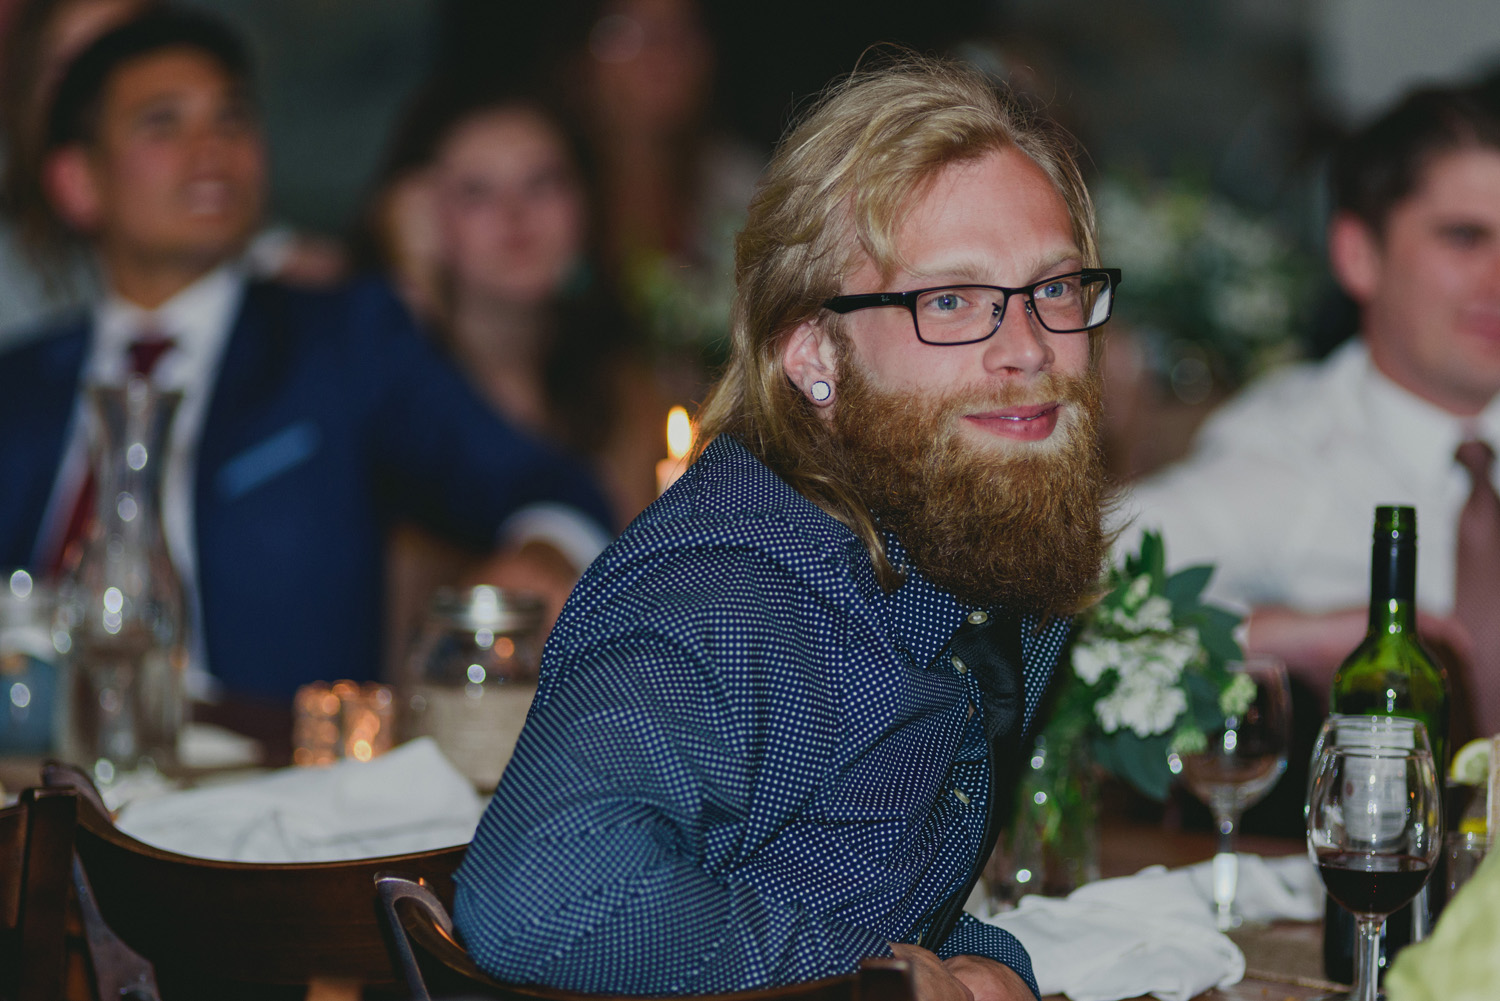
[1355, 255]
[810, 360]
[68, 177]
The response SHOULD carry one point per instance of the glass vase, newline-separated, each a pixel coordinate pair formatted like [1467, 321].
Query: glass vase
[120, 602]
[1051, 846]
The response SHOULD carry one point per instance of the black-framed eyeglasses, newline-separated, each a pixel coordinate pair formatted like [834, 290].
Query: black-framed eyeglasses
[966, 314]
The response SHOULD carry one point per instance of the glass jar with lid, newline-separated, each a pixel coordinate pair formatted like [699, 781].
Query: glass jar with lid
[471, 676]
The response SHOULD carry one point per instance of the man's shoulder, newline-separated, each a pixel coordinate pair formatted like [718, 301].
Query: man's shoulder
[1288, 416]
[728, 511]
[49, 360]
[730, 496]
[351, 304]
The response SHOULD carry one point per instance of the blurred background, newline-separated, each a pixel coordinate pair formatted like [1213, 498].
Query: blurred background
[1204, 124]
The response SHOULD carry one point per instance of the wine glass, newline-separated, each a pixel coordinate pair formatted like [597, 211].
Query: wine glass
[1241, 762]
[1373, 824]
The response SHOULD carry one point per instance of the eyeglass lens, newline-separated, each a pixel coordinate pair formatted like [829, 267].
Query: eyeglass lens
[960, 313]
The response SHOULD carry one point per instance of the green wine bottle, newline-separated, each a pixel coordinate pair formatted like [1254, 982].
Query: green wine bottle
[1390, 673]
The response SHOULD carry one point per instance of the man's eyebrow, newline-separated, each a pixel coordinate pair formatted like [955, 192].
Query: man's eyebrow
[971, 272]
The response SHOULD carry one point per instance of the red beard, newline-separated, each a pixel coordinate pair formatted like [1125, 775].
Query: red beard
[1018, 526]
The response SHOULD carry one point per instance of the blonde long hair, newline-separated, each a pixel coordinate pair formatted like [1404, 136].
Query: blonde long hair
[839, 185]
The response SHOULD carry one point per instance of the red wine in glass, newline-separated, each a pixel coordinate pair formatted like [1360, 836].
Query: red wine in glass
[1367, 883]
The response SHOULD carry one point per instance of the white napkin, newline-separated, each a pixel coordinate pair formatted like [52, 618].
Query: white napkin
[1153, 933]
[409, 799]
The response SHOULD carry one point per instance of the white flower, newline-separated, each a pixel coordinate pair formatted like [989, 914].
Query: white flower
[1234, 700]
[1093, 657]
[1155, 615]
[1188, 740]
[1143, 703]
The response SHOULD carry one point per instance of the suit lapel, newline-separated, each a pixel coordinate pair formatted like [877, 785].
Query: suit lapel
[251, 368]
[38, 414]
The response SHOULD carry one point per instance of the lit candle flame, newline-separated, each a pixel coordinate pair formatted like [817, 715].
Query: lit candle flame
[679, 433]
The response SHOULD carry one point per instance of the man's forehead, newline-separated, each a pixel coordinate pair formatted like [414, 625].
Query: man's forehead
[1457, 179]
[170, 71]
[1042, 218]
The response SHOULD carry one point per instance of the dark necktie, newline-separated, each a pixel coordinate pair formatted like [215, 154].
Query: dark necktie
[1476, 596]
[143, 354]
[989, 645]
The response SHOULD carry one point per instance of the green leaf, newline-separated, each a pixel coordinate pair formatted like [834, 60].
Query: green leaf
[1184, 586]
[1141, 762]
[1216, 628]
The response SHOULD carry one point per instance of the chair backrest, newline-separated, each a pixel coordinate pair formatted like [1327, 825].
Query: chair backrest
[36, 847]
[207, 924]
[435, 964]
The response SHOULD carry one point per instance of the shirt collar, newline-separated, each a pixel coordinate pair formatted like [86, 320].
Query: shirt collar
[198, 318]
[1421, 435]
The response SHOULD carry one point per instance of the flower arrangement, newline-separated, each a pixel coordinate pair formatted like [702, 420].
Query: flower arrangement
[1216, 292]
[1148, 680]
[1149, 677]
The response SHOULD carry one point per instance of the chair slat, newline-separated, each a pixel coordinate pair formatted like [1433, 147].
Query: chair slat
[202, 922]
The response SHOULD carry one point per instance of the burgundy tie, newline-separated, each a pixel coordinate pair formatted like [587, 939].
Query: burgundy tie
[1476, 601]
[144, 353]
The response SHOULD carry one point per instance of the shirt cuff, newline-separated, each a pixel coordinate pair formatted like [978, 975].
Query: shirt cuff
[574, 534]
[971, 937]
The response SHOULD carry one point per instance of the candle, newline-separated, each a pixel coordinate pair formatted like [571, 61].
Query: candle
[342, 720]
[679, 444]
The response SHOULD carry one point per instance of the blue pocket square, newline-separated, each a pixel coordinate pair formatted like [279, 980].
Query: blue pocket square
[265, 460]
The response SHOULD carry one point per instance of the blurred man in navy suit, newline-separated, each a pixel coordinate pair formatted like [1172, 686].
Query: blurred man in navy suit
[310, 420]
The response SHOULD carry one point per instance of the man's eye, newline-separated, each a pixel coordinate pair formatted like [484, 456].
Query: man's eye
[1051, 290]
[159, 121]
[1464, 235]
[947, 301]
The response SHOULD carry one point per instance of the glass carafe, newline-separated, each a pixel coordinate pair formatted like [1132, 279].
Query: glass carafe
[120, 601]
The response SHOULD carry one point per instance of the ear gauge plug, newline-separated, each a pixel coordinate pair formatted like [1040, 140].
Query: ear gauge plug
[821, 391]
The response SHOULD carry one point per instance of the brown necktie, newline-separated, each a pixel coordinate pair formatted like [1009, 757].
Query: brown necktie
[143, 354]
[1476, 601]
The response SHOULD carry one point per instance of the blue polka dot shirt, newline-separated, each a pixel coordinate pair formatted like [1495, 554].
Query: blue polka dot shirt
[746, 765]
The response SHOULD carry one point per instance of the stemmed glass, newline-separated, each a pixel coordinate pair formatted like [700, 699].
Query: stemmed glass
[1241, 762]
[1373, 824]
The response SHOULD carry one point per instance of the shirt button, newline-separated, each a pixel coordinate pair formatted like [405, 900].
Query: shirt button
[959, 665]
[963, 797]
[979, 618]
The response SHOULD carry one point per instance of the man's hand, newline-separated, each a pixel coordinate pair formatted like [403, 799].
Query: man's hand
[962, 978]
[537, 567]
[988, 980]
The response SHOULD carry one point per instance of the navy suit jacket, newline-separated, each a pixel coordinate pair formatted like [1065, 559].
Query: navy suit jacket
[330, 418]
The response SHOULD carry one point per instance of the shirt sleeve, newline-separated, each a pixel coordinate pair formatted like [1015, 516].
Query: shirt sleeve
[588, 869]
[972, 937]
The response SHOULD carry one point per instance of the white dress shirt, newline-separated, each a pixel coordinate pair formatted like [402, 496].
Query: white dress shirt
[1282, 485]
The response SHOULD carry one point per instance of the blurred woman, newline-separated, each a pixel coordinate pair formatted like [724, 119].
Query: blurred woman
[523, 309]
[639, 75]
[486, 224]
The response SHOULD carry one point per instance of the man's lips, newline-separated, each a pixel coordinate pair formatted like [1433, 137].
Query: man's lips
[1033, 422]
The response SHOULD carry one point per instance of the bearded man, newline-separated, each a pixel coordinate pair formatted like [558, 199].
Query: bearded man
[778, 718]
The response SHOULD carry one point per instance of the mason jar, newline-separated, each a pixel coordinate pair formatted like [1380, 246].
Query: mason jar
[471, 676]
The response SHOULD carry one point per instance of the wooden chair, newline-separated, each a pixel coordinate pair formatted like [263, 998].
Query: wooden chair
[435, 965]
[226, 929]
[36, 847]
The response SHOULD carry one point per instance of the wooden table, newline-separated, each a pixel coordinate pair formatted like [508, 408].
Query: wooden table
[1283, 961]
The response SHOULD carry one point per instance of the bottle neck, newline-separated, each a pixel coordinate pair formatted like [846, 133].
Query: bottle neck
[1393, 588]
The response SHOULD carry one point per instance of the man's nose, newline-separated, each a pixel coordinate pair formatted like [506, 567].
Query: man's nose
[1019, 345]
